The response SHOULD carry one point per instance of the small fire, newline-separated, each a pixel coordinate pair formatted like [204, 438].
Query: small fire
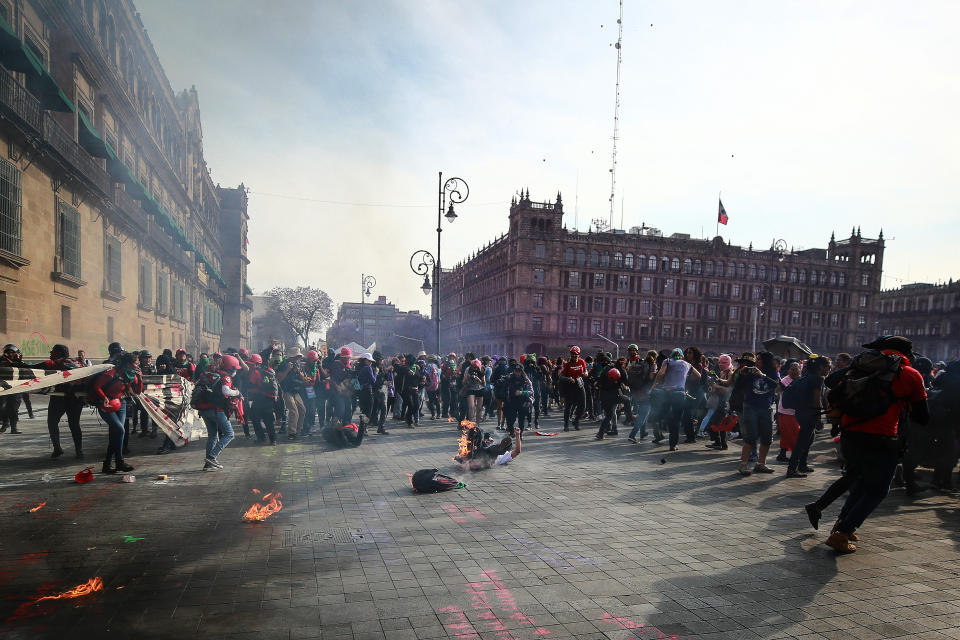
[451, 419]
[39, 506]
[94, 584]
[259, 512]
[256, 490]
[464, 442]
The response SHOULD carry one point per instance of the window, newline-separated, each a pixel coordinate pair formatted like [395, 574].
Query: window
[709, 270]
[794, 317]
[212, 318]
[618, 259]
[162, 291]
[775, 315]
[644, 330]
[861, 321]
[666, 331]
[690, 310]
[797, 293]
[697, 267]
[734, 313]
[652, 263]
[762, 275]
[536, 323]
[692, 287]
[833, 278]
[834, 319]
[540, 250]
[538, 276]
[741, 271]
[734, 291]
[596, 327]
[675, 264]
[711, 312]
[594, 258]
[597, 304]
[567, 255]
[668, 285]
[688, 266]
[720, 269]
[538, 300]
[865, 279]
[112, 266]
[146, 285]
[68, 240]
[628, 261]
[598, 281]
[605, 259]
[581, 258]
[817, 297]
[783, 275]
[667, 309]
[815, 318]
[842, 279]
[753, 272]
[618, 329]
[778, 293]
[621, 305]
[646, 283]
[65, 321]
[10, 214]
[803, 276]
[573, 303]
[714, 288]
[109, 328]
[773, 274]
[571, 326]
[732, 334]
[623, 282]
[3, 311]
[645, 307]
[834, 340]
[574, 279]
[756, 293]
[711, 333]
[863, 301]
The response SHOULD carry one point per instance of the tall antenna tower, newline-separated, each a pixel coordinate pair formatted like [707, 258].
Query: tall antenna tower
[616, 116]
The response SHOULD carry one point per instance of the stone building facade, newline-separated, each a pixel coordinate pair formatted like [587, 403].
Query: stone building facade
[381, 322]
[928, 314]
[540, 287]
[111, 228]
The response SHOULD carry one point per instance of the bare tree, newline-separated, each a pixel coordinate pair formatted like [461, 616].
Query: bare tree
[304, 309]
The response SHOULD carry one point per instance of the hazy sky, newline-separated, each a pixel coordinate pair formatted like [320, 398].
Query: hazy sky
[809, 117]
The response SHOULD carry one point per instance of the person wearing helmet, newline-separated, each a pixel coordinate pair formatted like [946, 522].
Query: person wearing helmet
[10, 405]
[107, 393]
[519, 402]
[609, 383]
[64, 401]
[262, 393]
[182, 366]
[114, 351]
[311, 377]
[214, 399]
[572, 388]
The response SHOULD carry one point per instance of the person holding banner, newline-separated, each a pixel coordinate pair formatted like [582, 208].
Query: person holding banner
[107, 394]
[65, 401]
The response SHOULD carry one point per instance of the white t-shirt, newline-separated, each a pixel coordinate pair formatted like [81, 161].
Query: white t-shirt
[780, 408]
[504, 458]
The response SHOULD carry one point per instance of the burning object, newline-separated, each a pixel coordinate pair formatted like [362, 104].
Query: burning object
[92, 585]
[39, 506]
[259, 512]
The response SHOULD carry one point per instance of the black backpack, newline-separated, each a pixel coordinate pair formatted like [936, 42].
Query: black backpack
[865, 389]
[737, 393]
[207, 391]
[798, 394]
[432, 481]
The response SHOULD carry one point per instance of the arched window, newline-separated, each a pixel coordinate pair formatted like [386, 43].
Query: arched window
[581, 257]
[783, 275]
[594, 258]
[605, 259]
[628, 261]
[568, 255]
[697, 267]
[709, 267]
[773, 274]
[741, 271]
[675, 264]
[842, 279]
[652, 263]
[618, 259]
[823, 277]
[803, 276]
[793, 275]
[688, 265]
[762, 272]
[720, 268]
[753, 272]
[833, 278]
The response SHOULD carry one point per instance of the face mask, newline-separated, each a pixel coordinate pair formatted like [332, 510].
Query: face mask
[130, 375]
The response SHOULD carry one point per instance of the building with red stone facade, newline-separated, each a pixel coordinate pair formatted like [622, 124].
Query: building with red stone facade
[928, 314]
[541, 287]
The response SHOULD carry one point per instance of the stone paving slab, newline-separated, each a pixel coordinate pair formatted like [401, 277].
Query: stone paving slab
[576, 539]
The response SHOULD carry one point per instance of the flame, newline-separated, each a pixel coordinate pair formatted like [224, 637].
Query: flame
[463, 443]
[94, 584]
[451, 419]
[39, 506]
[259, 512]
[256, 490]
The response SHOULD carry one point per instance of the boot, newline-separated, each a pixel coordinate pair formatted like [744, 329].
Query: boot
[382, 431]
[106, 468]
[57, 452]
[851, 536]
[13, 426]
[840, 542]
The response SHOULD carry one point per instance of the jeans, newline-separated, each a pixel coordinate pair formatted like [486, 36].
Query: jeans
[608, 404]
[808, 423]
[516, 413]
[310, 410]
[756, 424]
[641, 409]
[261, 415]
[115, 422]
[673, 411]
[873, 463]
[379, 407]
[219, 431]
[73, 407]
[411, 409]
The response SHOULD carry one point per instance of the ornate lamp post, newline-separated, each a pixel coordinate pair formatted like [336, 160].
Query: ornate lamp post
[453, 191]
[366, 283]
[421, 263]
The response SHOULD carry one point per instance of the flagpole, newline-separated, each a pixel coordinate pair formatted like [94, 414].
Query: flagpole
[719, 199]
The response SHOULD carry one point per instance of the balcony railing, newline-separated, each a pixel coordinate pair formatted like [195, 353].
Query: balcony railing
[63, 143]
[130, 208]
[15, 97]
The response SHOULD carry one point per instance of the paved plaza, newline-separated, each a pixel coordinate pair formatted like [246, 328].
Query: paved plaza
[575, 539]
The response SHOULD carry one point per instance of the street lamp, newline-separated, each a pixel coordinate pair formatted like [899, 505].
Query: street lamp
[603, 337]
[453, 191]
[756, 312]
[780, 248]
[421, 263]
[366, 283]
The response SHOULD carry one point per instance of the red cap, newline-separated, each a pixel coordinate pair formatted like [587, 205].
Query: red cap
[345, 352]
[312, 355]
[255, 359]
[228, 362]
[613, 374]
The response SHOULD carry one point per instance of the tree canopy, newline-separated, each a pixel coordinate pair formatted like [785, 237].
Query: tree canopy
[305, 310]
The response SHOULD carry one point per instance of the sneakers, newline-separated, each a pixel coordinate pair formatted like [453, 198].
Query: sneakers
[796, 474]
[840, 542]
[633, 440]
[213, 463]
[106, 469]
[813, 514]
[208, 467]
[123, 466]
[743, 471]
[762, 468]
[806, 469]
[782, 457]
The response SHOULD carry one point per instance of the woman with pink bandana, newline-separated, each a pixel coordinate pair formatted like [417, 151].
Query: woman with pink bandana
[717, 402]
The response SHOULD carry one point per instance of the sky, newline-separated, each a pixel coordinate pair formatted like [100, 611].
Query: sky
[809, 117]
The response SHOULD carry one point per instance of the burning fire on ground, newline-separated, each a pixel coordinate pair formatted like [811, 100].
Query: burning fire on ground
[39, 506]
[465, 444]
[25, 610]
[260, 512]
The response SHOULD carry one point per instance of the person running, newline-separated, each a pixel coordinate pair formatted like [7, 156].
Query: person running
[571, 378]
[106, 394]
[672, 377]
[214, 404]
[263, 391]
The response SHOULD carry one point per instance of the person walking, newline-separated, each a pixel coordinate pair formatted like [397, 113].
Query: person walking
[64, 400]
[107, 394]
[672, 377]
[756, 385]
[263, 390]
[215, 397]
[805, 398]
[291, 379]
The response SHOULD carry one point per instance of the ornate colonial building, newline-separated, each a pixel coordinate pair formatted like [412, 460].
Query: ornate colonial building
[541, 288]
[111, 227]
[928, 314]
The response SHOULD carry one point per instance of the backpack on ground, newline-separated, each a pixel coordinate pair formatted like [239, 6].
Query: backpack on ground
[865, 389]
[798, 394]
[206, 389]
[432, 481]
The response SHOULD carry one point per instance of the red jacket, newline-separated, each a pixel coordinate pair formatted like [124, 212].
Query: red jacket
[907, 387]
[109, 385]
[575, 370]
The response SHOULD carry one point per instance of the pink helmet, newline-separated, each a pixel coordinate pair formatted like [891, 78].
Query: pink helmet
[613, 374]
[312, 355]
[255, 359]
[724, 362]
[345, 352]
[476, 363]
[229, 363]
[244, 352]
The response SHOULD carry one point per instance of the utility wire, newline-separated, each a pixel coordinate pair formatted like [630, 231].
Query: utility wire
[366, 204]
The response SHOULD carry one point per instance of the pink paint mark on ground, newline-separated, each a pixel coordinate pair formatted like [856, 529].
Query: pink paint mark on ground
[497, 610]
[461, 514]
[639, 629]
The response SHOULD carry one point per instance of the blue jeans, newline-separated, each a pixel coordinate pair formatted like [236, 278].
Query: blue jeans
[115, 429]
[219, 431]
[808, 424]
[641, 409]
[673, 409]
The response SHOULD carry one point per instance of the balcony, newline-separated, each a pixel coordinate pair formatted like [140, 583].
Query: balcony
[130, 209]
[63, 143]
[17, 100]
